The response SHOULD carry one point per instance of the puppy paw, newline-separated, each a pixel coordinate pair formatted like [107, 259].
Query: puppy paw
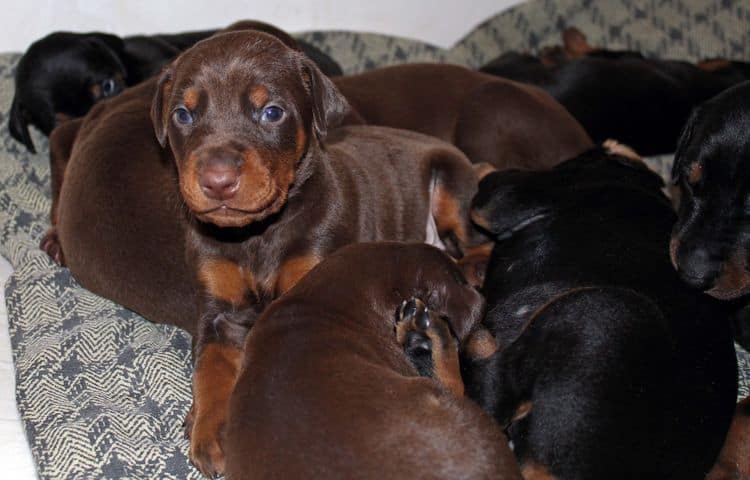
[51, 244]
[205, 450]
[429, 344]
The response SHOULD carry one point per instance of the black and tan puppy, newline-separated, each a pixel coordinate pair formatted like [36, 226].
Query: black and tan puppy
[271, 191]
[62, 75]
[711, 237]
[328, 388]
[608, 365]
[643, 102]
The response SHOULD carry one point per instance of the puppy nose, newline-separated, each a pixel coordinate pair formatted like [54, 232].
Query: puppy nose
[219, 181]
[697, 269]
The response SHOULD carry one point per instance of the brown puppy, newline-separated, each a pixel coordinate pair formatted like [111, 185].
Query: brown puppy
[328, 389]
[500, 122]
[245, 117]
[118, 217]
[734, 459]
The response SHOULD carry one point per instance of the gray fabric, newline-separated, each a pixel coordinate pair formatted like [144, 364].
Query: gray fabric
[102, 392]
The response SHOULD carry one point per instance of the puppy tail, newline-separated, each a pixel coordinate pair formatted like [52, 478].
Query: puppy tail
[18, 125]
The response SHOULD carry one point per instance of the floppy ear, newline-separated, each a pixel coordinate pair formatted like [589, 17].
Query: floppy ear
[506, 202]
[329, 105]
[18, 124]
[112, 44]
[682, 144]
[159, 106]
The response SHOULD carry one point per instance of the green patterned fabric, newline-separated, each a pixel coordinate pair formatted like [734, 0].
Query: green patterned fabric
[101, 391]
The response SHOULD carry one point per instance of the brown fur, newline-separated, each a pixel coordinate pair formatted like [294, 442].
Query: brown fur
[301, 191]
[734, 459]
[327, 391]
[492, 120]
[115, 172]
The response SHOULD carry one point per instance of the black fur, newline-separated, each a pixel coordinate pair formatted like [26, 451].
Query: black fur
[629, 373]
[56, 75]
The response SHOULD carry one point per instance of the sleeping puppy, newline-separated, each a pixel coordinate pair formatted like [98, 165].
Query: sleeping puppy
[642, 102]
[62, 75]
[607, 366]
[330, 385]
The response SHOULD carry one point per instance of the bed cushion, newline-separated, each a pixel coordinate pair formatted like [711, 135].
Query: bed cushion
[101, 391]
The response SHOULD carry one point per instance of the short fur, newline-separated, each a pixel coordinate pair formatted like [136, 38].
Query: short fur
[62, 75]
[270, 199]
[642, 102]
[326, 391]
[494, 121]
[621, 370]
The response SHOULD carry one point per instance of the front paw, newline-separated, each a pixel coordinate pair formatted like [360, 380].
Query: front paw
[205, 449]
[412, 323]
[429, 344]
[51, 244]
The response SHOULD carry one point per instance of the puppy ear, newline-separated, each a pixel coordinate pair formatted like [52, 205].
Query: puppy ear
[18, 124]
[329, 105]
[113, 44]
[682, 145]
[160, 105]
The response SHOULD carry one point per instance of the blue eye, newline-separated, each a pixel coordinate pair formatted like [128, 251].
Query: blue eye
[272, 114]
[108, 87]
[183, 116]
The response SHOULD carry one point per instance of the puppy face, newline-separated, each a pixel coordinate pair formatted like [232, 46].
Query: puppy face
[239, 111]
[511, 200]
[711, 239]
[61, 77]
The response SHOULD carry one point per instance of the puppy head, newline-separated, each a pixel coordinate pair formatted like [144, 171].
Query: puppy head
[711, 239]
[60, 77]
[240, 111]
[509, 201]
[381, 276]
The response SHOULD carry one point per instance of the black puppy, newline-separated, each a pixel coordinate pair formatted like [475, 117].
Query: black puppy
[711, 240]
[62, 75]
[642, 102]
[607, 365]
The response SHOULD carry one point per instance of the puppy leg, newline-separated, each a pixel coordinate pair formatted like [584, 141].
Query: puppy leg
[429, 344]
[60, 147]
[454, 184]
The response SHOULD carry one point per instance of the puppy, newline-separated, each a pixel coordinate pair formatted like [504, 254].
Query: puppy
[642, 102]
[329, 389]
[271, 190]
[607, 366]
[710, 240]
[494, 121]
[62, 75]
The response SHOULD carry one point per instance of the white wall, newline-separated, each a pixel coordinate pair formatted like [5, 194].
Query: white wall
[441, 22]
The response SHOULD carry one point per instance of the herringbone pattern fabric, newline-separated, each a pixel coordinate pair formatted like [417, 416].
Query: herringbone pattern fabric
[102, 392]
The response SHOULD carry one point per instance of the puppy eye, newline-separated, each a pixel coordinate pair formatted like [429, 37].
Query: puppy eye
[109, 87]
[183, 116]
[272, 114]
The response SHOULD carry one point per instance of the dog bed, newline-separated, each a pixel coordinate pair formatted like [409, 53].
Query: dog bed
[102, 393]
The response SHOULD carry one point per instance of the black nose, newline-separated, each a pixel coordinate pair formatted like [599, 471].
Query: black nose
[697, 268]
[219, 181]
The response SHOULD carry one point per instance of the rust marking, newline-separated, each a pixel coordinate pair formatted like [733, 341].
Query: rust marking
[534, 471]
[190, 98]
[292, 270]
[225, 280]
[695, 175]
[446, 209]
[216, 372]
[259, 96]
